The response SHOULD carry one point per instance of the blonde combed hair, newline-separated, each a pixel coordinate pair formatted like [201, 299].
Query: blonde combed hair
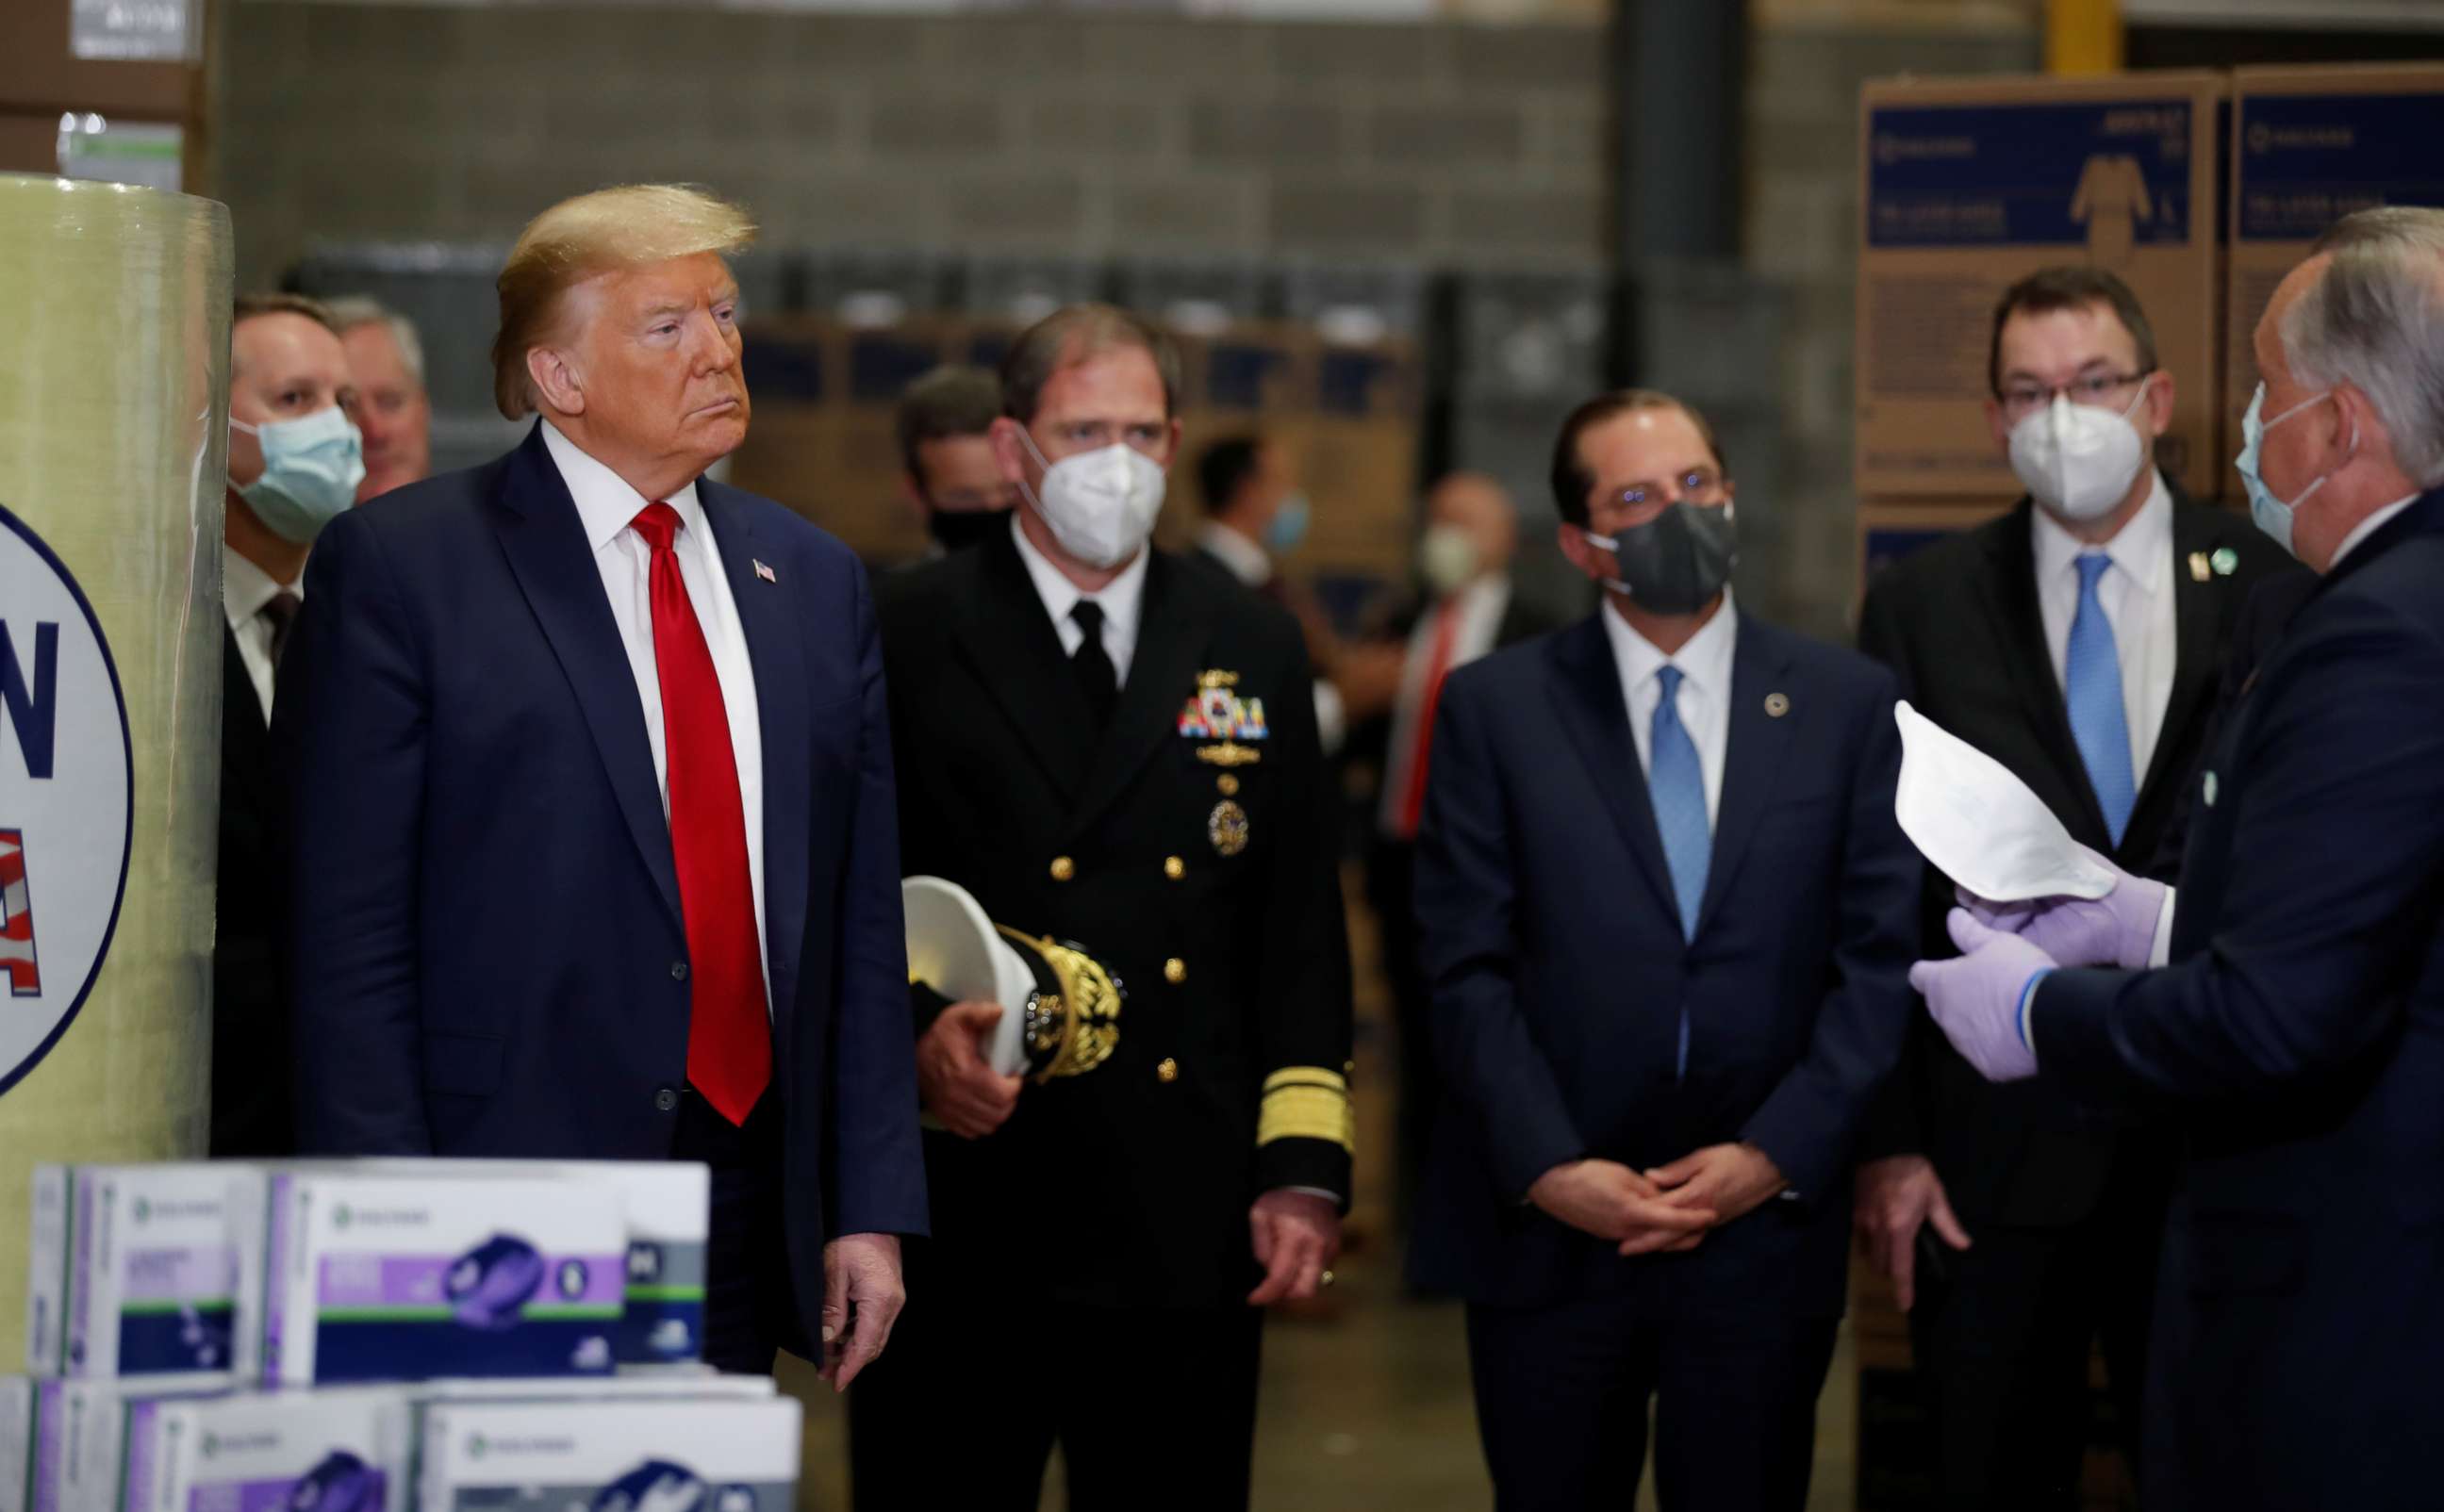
[610, 229]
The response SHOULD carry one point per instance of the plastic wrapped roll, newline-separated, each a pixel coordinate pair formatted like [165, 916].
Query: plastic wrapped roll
[114, 409]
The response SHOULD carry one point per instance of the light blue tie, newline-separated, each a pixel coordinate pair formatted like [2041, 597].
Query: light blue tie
[2092, 688]
[1675, 784]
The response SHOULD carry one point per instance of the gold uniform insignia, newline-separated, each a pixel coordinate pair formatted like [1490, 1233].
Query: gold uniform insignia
[1227, 828]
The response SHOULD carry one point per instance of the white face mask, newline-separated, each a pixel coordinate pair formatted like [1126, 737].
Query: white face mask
[1447, 559]
[2077, 461]
[1101, 505]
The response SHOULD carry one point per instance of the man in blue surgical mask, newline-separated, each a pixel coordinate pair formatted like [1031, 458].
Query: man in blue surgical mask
[294, 461]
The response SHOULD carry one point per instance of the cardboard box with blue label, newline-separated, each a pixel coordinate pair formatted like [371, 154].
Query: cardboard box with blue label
[2309, 146]
[1969, 186]
[393, 1278]
[343, 1450]
[723, 1456]
[152, 1273]
[668, 1205]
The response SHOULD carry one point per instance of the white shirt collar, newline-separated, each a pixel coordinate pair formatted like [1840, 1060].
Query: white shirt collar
[2142, 549]
[1119, 600]
[2369, 527]
[1705, 661]
[1247, 561]
[246, 588]
[605, 504]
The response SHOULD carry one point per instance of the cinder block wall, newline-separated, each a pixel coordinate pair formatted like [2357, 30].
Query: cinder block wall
[1042, 131]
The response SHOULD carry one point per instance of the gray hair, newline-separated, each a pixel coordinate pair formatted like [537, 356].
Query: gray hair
[2375, 320]
[352, 310]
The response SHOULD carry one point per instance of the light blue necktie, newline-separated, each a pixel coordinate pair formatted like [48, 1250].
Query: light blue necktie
[2092, 688]
[1675, 784]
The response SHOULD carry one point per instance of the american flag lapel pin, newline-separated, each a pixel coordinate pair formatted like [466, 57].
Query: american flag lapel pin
[764, 572]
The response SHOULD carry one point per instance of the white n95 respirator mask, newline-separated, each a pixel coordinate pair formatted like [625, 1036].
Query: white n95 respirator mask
[2078, 461]
[1101, 505]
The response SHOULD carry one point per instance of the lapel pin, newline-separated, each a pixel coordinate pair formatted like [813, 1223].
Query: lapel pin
[2225, 560]
[2197, 567]
[764, 572]
[1776, 705]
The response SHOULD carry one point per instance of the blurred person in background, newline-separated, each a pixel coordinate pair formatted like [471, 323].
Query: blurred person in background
[294, 462]
[1668, 916]
[595, 851]
[393, 410]
[1106, 744]
[1465, 609]
[2080, 640]
[948, 472]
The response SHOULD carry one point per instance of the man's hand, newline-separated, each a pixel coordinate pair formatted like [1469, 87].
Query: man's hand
[952, 1080]
[1975, 998]
[1730, 1181]
[1297, 1237]
[2116, 930]
[1610, 1201]
[862, 1299]
[1895, 1197]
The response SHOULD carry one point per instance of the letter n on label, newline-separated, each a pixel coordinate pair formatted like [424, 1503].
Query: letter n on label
[17, 961]
[33, 708]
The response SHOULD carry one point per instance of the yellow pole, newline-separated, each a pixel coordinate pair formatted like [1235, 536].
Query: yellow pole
[2082, 36]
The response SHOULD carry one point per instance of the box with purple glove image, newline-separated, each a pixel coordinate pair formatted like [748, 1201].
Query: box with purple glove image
[16, 1440]
[152, 1273]
[342, 1450]
[665, 1456]
[392, 1278]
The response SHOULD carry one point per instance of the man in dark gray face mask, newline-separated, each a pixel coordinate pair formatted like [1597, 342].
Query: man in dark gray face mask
[1666, 915]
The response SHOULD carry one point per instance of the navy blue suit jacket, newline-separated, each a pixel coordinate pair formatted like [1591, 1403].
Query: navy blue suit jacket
[1559, 970]
[488, 946]
[2298, 1038]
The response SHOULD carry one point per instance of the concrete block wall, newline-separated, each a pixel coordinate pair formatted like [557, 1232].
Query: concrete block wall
[1042, 131]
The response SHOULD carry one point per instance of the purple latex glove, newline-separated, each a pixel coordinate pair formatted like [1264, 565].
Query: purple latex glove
[1975, 998]
[2116, 930]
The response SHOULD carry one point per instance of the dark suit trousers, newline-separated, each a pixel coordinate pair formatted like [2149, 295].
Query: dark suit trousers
[2004, 1337]
[747, 1294]
[1561, 1394]
[1152, 1407]
[1391, 879]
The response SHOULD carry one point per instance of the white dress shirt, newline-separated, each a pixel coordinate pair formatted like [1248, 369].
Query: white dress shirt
[2137, 597]
[605, 505]
[2369, 527]
[1705, 702]
[1480, 606]
[1121, 599]
[246, 589]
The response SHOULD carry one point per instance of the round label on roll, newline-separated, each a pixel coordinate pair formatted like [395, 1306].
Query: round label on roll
[67, 798]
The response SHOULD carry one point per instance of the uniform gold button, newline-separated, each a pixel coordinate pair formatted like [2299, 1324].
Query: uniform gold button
[1063, 868]
[1174, 971]
[1168, 1071]
[1228, 783]
[1174, 867]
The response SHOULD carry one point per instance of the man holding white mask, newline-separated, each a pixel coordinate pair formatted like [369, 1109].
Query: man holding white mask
[294, 463]
[1107, 745]
[2080, 640]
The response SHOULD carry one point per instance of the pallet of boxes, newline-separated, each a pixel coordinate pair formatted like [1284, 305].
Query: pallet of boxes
[379, 1336]
[1968, 186]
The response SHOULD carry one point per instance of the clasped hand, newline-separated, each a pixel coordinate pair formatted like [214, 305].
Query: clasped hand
[1665, 1211]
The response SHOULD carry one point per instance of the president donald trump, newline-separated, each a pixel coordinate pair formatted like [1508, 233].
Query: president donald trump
[593, 842]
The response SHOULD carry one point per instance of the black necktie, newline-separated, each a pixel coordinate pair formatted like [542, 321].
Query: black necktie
[282, 613]
[1094, 665]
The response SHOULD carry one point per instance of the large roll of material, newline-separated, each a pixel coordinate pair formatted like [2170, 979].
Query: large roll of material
[113, 414]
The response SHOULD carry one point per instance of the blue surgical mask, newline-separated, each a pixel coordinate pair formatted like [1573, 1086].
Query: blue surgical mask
[1288, 524]
[311, 467]
[2273, 515]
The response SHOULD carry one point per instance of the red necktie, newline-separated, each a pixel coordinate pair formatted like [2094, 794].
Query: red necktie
[1438, 667]
[730, 1036]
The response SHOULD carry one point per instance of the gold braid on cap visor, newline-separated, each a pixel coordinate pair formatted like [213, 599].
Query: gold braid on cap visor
[1073, 1016]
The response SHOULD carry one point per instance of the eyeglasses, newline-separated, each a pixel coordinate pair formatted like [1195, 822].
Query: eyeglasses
[2094, 390]
[1697, 486]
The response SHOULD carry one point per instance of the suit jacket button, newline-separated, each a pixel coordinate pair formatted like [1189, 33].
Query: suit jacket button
[1174, 971]
[665, 1099]
[1063, 868]
[1174, 867]
[1168, 1071]
[678, 970]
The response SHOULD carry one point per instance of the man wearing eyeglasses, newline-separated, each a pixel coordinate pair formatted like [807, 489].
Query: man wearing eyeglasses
[1666, 915]
[2079, 640]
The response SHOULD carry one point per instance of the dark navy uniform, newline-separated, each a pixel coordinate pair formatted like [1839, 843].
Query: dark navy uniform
[1087, 1278]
